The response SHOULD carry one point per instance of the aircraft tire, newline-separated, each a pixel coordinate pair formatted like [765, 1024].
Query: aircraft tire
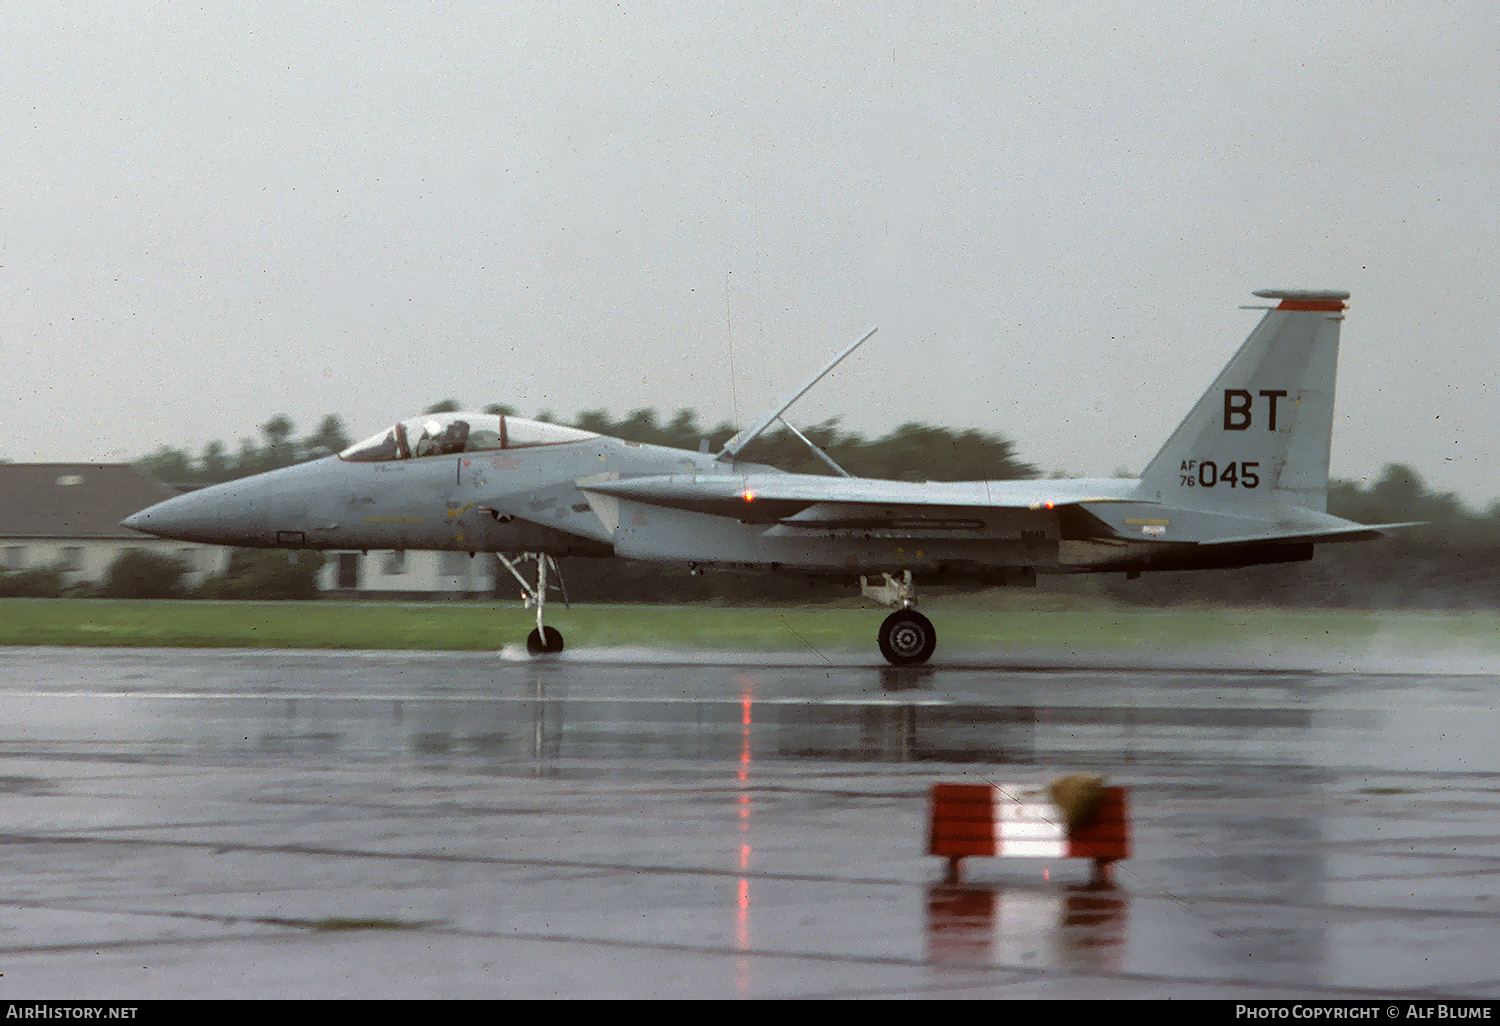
[548, 640]
[907, 637]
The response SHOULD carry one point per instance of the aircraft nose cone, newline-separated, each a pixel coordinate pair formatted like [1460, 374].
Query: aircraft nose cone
[224, 516]
[249, 511]
[172, 518]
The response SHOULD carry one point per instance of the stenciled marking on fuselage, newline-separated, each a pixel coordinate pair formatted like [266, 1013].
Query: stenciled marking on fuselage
[1153, 526]
[1208, 474]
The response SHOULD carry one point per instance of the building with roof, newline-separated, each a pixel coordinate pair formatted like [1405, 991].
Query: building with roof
[66, 517]
[411, 575]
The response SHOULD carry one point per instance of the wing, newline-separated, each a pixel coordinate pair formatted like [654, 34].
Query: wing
[801, 502]
[791, 505]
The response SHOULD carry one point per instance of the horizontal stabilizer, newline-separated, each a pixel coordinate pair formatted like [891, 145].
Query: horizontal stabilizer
[1362, 532]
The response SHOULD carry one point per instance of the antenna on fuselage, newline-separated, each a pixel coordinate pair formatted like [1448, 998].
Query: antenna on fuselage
[733, 447]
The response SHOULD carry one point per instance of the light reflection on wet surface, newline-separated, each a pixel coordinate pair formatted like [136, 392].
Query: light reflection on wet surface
[1076, 926]
[567, 728]
[361, 706]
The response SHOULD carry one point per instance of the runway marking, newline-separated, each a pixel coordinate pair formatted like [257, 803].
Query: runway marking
[496, 860]
[983, 975]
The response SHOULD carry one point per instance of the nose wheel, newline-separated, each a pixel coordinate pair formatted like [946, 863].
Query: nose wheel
[544, 640]
[907, 637]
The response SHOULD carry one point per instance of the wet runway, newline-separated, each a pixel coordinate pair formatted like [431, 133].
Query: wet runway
[634, 824]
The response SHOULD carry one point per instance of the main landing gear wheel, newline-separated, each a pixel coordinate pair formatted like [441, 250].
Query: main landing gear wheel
[548, 640]
[907, 637]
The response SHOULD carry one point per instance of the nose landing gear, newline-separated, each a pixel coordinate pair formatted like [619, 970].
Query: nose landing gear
[544, 640]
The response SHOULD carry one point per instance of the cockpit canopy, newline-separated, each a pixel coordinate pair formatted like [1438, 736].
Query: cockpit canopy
[442, 434]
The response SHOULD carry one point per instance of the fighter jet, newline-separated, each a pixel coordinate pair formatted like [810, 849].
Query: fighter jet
[1242, 481]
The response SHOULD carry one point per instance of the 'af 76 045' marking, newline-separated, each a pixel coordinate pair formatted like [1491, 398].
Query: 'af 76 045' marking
[1208, 474]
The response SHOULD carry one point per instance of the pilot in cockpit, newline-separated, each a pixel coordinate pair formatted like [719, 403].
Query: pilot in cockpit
[447, 434]
[454, 437]
[427, 443]
[439, 439]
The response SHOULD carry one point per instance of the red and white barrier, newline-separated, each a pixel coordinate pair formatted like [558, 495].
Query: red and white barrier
[1006, 821]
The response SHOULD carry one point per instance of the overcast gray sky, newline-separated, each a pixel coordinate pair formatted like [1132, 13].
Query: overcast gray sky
[216, 212]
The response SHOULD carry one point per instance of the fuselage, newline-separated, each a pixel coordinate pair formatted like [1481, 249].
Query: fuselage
[484, 501]
[485, 483]
[1242, 481]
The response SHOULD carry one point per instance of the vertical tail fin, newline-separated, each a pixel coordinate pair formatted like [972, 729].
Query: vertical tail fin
[1260, 434]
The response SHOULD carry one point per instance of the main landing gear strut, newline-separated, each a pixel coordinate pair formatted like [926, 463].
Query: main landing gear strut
[906, 637]
[544, 639]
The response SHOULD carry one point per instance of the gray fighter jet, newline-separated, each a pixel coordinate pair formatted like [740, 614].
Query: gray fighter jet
[1242, 481]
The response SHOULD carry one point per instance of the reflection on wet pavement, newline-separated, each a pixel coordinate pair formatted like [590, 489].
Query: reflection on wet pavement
[1077, 926]
[741, 830]
[885, 729]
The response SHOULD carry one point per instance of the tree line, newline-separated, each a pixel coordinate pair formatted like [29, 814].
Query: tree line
[911, 452]
[216, 464]
[1452, 561]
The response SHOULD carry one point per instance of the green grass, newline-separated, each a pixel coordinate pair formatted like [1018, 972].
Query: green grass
[1007, 624]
